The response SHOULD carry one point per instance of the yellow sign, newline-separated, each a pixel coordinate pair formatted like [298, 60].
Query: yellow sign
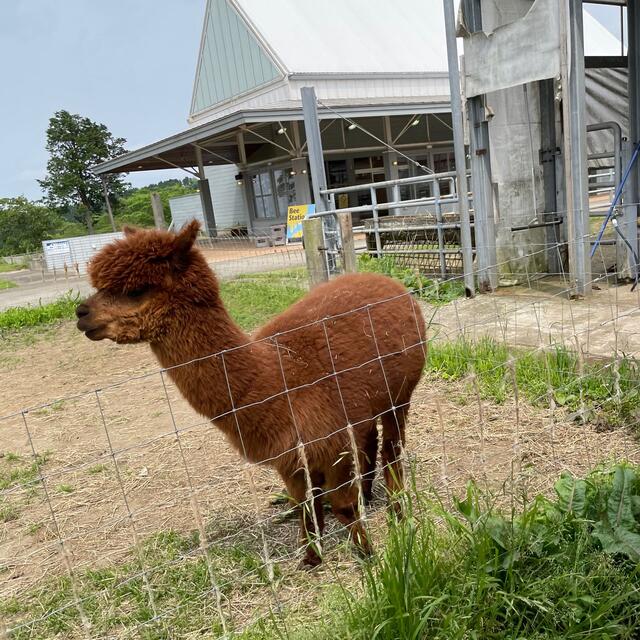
[295, 215]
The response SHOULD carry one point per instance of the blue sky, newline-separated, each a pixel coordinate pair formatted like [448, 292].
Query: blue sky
[126, 63]
[129, 64]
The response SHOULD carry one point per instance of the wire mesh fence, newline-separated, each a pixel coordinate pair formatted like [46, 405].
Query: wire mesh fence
[125, 512]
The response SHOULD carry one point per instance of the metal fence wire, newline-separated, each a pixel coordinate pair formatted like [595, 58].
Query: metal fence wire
[126, 514]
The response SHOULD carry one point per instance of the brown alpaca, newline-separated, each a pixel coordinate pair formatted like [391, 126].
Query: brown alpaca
[350, 351]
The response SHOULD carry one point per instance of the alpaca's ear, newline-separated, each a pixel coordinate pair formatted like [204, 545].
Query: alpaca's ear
[129, 231]
[187, 236]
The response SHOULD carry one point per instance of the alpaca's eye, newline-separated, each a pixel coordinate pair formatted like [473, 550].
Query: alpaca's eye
[136, 293]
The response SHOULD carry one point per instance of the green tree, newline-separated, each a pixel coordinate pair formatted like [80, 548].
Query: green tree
[135, 206]
[75, 145]
[24, 224]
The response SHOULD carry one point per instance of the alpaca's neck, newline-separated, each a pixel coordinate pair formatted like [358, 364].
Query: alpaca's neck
[209, 379]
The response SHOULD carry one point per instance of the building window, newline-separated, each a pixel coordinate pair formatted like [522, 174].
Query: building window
[285, 190]
[367, 170]
[440, 162]
[263, 195]
[273, 190]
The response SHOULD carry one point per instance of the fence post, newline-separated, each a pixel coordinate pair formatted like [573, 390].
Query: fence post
[158, 211]
[443, 259]
[315, 251]
[376, 222]
[349, 260]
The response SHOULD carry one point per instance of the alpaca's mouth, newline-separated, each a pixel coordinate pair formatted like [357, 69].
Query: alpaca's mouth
[93, 333]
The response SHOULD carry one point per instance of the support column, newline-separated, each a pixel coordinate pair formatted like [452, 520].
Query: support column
[575, 145]
[548, 154]
[629, 226]
[158, 211]
[390, 161]
[107, 201]
[318, 175]
[205, 197]
[301, 180]
[484, 217]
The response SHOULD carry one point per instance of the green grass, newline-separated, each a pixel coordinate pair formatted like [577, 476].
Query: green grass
[608, 390]
[253, 303]
[23, 317]
[297, 275]
[8, 512]
[65, 488]
[97, 468]
[15, 471]
[250, 302]
[547, 572]
[429, 289]
[6, 267]
[562, 568]
[7, 284]
[115, 598]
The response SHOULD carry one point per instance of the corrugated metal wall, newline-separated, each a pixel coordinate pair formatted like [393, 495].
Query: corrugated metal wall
[72, 251]
[229, 204]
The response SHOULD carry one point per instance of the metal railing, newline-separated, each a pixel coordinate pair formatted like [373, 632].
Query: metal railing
[434, 204]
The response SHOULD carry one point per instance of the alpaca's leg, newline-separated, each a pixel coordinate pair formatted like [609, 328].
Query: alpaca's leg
[393, 439]
[297, 489]
[369, 454]
[344, 504]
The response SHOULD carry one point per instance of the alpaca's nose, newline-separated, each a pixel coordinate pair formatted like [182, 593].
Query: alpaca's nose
[82, 310]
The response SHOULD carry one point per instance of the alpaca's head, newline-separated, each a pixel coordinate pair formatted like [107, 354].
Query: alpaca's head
[148, 284]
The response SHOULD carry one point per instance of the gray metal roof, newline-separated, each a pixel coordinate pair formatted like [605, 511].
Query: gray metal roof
[217, 139]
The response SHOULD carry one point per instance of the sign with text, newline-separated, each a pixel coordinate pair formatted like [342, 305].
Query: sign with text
[295, 215]
[56, 247]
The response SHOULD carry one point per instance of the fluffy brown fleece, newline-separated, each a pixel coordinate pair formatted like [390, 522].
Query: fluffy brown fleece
[350, 352]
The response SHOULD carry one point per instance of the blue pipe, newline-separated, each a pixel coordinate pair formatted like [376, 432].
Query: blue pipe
[616, 197]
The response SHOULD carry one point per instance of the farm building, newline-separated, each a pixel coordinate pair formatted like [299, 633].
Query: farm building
[383, 101]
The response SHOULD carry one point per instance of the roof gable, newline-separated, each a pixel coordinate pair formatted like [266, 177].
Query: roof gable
[352, 36]
[232, 60]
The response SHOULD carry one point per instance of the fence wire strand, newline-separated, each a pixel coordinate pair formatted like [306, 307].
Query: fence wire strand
[466, 439]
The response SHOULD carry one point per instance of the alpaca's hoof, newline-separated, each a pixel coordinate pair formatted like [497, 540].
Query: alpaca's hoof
[396, 507]
[364, 550]
[310, 561]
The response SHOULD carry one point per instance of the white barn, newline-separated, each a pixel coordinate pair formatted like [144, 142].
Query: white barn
[384, 68]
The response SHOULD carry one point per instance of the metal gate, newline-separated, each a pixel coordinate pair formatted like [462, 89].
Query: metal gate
[417, 226]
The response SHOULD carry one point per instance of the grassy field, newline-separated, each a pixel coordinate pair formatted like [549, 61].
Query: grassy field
[607, 391]
[250, 302]
[565, 566]
[6, 267]
[7, 284]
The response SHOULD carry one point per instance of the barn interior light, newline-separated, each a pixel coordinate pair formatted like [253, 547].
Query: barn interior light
[282, 130]
[304, 171]
[139, 166]
[352, 126]
[415, 122]
[239, 179]
[292, 172]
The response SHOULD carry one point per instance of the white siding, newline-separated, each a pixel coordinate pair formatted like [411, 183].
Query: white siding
[229, 204]
[184, 209]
